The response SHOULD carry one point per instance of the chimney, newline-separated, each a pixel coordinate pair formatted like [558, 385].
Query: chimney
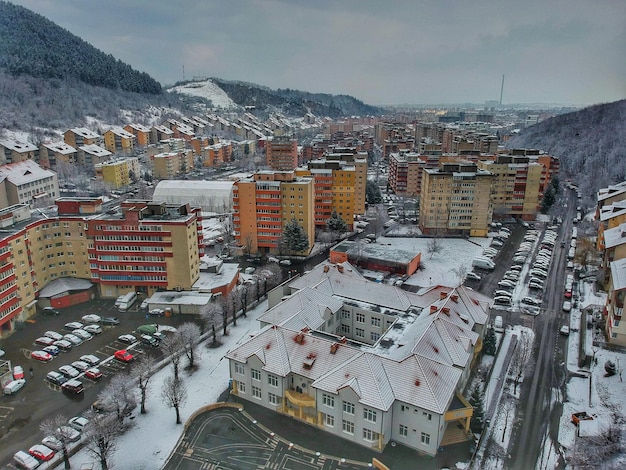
[442, 295]
[446, 310]
[433, 308]
[299, 338]
[455, 299]
[326, 268]
[334, 347]
[343, 340]
[340, 268]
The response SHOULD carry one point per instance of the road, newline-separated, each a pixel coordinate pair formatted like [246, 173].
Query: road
[38, 400]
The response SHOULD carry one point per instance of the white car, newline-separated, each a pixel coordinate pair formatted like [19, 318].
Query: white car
[473, 276]
[54, 335]
[507, 283]
[93, 329]
[128, 339]
[564, 330]
[75, 340]
[530, 301]
[90, 359]
[69, 371]
[567, 306]
[91, 318]
[502, 300]
[78, 423]
[82, 334]
[80, 365]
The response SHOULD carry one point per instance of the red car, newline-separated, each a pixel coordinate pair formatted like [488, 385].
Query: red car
[41, 452]
[568, 294]
[41, 356]
[123, 355]
[93, 373]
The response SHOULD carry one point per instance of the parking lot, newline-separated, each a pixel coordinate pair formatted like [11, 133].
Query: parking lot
[21, 413]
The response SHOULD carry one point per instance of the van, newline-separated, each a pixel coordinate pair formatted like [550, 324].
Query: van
[483, 263]
[570, 253]
[14, 386]
[497, 323]
[126, 301]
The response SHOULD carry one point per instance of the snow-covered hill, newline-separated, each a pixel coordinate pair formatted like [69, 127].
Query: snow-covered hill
[206, 89]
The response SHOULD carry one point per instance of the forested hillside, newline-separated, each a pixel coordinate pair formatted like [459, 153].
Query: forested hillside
[294, 102]
[591, 144]
[33, 45]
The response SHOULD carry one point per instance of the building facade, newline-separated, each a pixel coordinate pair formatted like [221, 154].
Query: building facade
[118, 140]
[281, 153]
[26, 182]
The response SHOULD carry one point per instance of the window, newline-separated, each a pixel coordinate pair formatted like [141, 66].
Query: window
[345, 329]
[256, 392]
[425, 438]
[328, 400]
[369, 415]
[272, 380]
[360, 318]
[369, 435]
[241, 386]
[329, 420]
[348, 407]
[404, 431]
[375, 321]
[359, 332]
[240, 369]
[428, 416]
[273, 398]
[256, 374]
[374, 336]
[404, 408]
[347, 426]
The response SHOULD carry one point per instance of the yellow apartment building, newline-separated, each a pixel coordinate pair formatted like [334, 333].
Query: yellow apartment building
[115, 173]
[169, 165]
[118, 140]
[456, 199]
[516, 190]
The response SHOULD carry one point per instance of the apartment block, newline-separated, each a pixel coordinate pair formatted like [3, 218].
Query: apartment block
[141, 133]
[13, 151]
[456, 199]
[114, 173]
[516, 188]
[160, 133]
[26, 182]
[281, 153]
[172, 164]
[117, 140]
[216, 154]
[614, 308]
[90, 155]
[79, 136]
[53, 153]
[363, 361]
[265, 202]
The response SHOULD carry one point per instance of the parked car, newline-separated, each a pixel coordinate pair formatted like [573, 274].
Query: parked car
[44, 341]
[147, 339]
[93, 329]
[63, 344]
[52, 442]
[54, 335]
[90, 359]
[75, 340]
[14, 386]
[507, 283]
[564, 330]
[25, 460]
[56, 377]
[567, 306]
[50, 311]
[41, 356]
[41, 452]
[91, 318]
[473, 276]
[530, 301]
[93, 373]
[73, 325]
[286, 262]
[123, 355]
[109, 321]
[82, 334]
[128, 339]
[505, 293]
[69, 371]
[18, 372]
[69, 433]
[78, 423]
[73, 387]
[502, 300]
[52, 349]
[80, 366]
[156, 312]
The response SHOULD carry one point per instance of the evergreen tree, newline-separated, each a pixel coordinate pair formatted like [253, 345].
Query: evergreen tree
[336, 223]
[372, 193]
[295, 238]
[489, 343]
[549, 197]
[478, 418]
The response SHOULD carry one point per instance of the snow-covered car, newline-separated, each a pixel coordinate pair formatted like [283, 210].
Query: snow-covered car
[75, 340]
[564, 330]
[69, 371]
[507, 283]
[496, 243]
[502, 300]
[52, 442]
[530, 301]
[93, 373]
[73, 325]
[473, 276]
[41, 452]
[80, 365]
[93, 329]
[18, 372]
[91, 318]
[69, 433]
[78, 423]
[63, 345]
[41, 356]
[538, 272]
[505, 293]
[44, 341]
[54, 335]
[52, 349]
[82, 334]
[128, 339]
[536, 285]
[567, 306]
[90, 359]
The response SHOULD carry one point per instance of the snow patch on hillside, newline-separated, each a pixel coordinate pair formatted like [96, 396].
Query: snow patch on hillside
[209, 90]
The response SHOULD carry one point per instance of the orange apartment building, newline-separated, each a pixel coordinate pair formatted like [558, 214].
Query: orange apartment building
[216, 154]
[281, 153]
[141, 133]
[53, 153]
[265, 202]
[117, 140]
[160, 133]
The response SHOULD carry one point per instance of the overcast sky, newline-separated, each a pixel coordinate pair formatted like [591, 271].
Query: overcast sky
[380, 51]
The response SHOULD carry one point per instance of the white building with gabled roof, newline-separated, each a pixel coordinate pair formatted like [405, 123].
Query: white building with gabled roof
[365, 361]
[26, 182]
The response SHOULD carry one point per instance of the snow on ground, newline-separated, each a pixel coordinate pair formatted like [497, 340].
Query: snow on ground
[439, 269]
[211, 229]
[209, 90]
[156, 430]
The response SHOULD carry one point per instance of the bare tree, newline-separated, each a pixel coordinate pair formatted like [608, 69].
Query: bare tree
[174, 394]
[210, 314]
[522, 357]
[58, 428]
[460, 272]
[433, 246]
[143, 372]
[100, 436]
[118, 396]
[189, 334]
[172, 347]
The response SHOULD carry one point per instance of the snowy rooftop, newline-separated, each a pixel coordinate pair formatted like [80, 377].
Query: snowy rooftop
[387, 252]
[60, 147]
[618, 274]
[612, 190]
[96, 150]
[180, 298]
[121, 132]
[18, 146]
[615, 236]
[85, 133]
[64, 285]
[207, 281]
[616, 209]
[27, 171]
[139, 127]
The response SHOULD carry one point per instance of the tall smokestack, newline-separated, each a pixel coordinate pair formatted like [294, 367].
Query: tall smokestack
[501, 89]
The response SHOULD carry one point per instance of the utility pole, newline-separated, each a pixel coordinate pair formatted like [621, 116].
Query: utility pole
[501, 89]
